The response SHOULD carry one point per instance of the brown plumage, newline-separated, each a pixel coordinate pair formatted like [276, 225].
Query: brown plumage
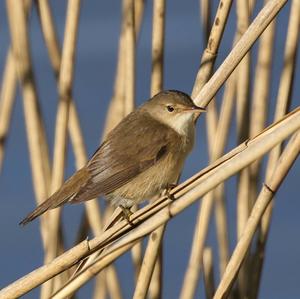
[139, 158]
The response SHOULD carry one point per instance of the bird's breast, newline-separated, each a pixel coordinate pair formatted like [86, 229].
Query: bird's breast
[156, 178]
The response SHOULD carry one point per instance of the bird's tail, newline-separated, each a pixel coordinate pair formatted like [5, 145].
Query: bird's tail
[67, 191]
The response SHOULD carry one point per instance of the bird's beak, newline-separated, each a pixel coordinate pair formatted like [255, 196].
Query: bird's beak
[197, 110]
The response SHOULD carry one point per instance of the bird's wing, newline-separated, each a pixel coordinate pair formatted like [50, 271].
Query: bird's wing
[132, 147]
[136, 144]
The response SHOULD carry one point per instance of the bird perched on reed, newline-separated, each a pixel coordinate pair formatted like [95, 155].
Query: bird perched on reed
[142, 156]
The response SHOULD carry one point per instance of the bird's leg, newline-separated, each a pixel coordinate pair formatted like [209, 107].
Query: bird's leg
[168, 189]
[126, 213]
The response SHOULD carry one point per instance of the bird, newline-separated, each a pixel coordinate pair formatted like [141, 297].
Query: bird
[140, 158]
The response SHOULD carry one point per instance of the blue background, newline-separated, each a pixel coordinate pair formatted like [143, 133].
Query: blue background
[21, 249]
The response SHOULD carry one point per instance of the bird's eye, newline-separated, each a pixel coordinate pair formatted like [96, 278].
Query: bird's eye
[170, 108]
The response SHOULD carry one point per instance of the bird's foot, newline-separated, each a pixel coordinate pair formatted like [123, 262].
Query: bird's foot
[167, 191]
[126, 214]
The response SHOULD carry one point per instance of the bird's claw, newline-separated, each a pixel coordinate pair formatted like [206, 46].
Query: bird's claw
[126, 214]
[168, 190]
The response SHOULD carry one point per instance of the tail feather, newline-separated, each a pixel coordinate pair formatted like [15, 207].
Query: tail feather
[68, 190]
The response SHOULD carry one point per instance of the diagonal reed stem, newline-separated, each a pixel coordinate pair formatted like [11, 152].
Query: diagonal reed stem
[266, 195]
[259, 24]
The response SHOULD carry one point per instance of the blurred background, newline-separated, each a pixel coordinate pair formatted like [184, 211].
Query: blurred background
[96, 60]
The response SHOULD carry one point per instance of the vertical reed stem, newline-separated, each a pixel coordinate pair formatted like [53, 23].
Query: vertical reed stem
[65, 90]
[208, 271]
[7, 99]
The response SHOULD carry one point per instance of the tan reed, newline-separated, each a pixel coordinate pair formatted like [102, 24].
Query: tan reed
[7, 99]
[208, 272]
[204, 213]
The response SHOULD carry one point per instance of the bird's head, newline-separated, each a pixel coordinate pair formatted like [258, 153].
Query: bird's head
[173, 108]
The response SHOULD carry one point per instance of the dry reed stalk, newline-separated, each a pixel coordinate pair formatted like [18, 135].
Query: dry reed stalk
[222, 227]
[201, 227]
[211, 124]
[43, 137]
[100, 286]
[7, 99]
[210, 53]
[282, 106]
[77, 283]
[195, 187]
[113, 286]
[242, 111]
[262, 80]
[243, 73]
[114, 117]
[259, 24]
[122, 101]
[139, 7]
[65, 82]
[260, 98]
[22, 60]
[267, 193]
[193, 271]
[152, 263]
[149, 261]
[113, 218]
[74, 125]
[290, 54]
[251, 6]
[205, 13]
[225, 118]
[156, 284]
[129, 37]
[51, 40]
[256, 28]
[49, 34]
[152, 216]
[212, 127]
[218, 149]
[129, 92]
[208, 271]
[136, 252]
[194, 266]
[158, 36]
[116, 109]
